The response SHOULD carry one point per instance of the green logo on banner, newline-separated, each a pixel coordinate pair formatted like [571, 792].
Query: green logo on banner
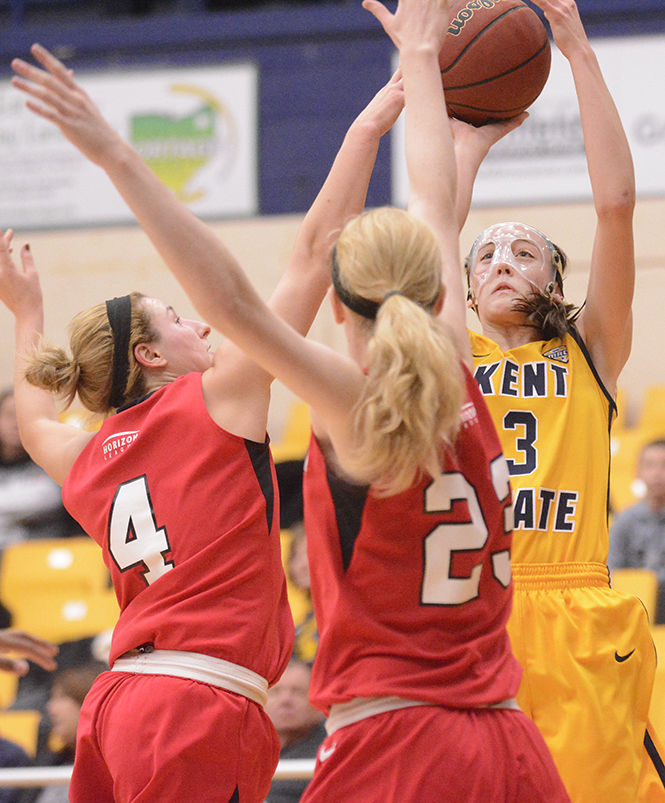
[178, 148]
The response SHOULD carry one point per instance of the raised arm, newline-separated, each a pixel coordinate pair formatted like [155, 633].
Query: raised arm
[472, 144]
[199, 260]
[207, 271]
[51, 444]
[605, 322]
[188, 246]
[430, 157]
[341, 197]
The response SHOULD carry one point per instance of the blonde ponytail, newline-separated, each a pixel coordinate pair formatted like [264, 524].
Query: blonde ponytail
[410, 406]
[52, 369]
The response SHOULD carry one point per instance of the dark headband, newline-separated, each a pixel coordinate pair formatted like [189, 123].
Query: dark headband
[364, 306]
[119, 311]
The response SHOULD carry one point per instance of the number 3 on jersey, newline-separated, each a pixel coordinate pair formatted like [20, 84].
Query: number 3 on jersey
[438, 587]
[134, 537]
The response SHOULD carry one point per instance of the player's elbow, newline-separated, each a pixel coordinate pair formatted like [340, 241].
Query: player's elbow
[617, 207]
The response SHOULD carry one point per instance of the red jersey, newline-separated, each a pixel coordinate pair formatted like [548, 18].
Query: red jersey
[412, 592]
[187, 516]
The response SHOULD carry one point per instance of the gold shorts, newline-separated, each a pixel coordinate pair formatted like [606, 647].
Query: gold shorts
[589, 663]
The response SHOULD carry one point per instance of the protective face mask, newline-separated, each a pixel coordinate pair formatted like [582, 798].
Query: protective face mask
[523, 249]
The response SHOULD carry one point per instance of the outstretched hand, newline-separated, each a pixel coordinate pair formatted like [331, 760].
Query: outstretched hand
[20, 290]
[415, 23]
[386, 106]
[482, 138]
[61, 101]
[472, 144]
[24, 646]
[565, 22]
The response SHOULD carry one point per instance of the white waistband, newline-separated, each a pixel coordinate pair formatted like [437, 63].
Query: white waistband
[343, 714]
[196, 666]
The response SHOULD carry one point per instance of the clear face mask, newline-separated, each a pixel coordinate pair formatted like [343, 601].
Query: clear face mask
[514, 245]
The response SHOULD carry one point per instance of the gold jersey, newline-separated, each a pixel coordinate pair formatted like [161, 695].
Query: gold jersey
[553, 416]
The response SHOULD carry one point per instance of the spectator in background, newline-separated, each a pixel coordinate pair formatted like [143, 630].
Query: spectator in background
[637, 536]
[12, 755]
[298, 725]
[30, 502]
[63, 710]
[15, 647]
[300, 595]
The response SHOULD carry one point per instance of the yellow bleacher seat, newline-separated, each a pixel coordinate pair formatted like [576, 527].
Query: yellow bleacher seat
[21, 727]
[8, 688]
[60, 616]
[33, 567]
[641, 583]
[294, 443]
[652, 415]
[625, 489]
[81, 418]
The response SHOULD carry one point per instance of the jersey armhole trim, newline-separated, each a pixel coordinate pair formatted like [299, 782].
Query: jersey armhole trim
[577, 338]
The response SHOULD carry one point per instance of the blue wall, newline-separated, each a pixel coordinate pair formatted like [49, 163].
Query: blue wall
[318, 65]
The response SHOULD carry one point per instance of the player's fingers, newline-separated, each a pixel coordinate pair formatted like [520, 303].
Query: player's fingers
[52, 64]
[512, 123]
[15, 640]
[59, 105]
[26, 259]
[6, 242]
[43, 85]
[517, 121]
[28, 646]
[45, 661]
[30, 72]
[396, 77]
[18, 666]
[378, 10]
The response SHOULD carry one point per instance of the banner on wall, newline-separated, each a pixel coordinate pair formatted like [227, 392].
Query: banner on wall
[543, 161]
[195, 127]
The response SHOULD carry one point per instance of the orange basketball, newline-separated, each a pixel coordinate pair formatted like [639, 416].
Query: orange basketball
[495, 59]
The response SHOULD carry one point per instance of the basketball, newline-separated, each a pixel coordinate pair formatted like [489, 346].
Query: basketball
[495, 59]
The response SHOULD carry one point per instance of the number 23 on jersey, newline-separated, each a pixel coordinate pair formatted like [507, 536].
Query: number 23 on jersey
[439, 587]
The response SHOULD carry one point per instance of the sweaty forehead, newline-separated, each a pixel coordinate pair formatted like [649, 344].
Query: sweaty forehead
[510, 231]
[155, 306]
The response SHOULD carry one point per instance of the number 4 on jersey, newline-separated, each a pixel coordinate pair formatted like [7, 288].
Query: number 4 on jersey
[134, 538]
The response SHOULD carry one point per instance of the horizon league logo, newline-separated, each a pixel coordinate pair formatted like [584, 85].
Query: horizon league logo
[177, 148]
[118, 442]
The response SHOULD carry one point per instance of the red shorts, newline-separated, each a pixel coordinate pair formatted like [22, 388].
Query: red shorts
[428, 754]
[158, 737]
